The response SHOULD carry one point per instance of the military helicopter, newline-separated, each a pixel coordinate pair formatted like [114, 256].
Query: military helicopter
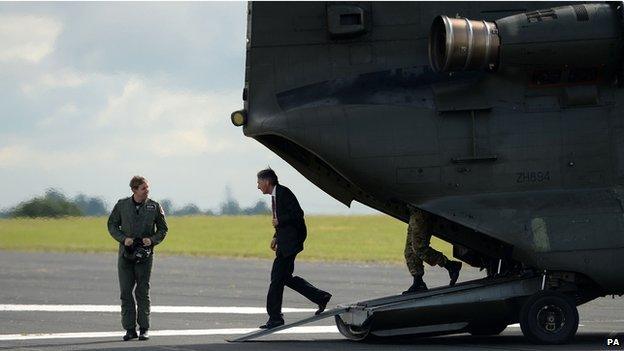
[499, 119]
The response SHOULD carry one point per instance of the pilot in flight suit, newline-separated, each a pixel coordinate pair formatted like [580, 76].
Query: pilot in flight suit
[136, 221]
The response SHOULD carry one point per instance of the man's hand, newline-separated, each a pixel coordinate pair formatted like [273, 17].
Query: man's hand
[147, 241]
[275, 222]
[274, 244]
[128, 242]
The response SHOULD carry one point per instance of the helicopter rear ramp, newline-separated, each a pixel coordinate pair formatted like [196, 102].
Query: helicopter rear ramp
[484, 306]
[263, 332]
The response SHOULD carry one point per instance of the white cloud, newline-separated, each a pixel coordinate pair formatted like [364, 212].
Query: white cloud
[175, 123]
[11, 155]
[64, 78]
[144, 116]
[188, 142]
[142, 102]
[27, 37]
[26, 155]
[65, 115]
[96, 92]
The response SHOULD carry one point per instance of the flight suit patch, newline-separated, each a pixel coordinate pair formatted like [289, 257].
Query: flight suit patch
[150, 207]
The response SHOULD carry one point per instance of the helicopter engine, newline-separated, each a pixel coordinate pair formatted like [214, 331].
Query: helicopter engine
[580, 35]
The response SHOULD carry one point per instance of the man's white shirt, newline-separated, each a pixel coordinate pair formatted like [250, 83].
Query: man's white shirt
[274, 200]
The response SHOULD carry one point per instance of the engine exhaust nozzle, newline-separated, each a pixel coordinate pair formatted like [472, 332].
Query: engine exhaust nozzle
[460, 44]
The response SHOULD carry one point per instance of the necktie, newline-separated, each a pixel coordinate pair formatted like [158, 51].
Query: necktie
[273, 207]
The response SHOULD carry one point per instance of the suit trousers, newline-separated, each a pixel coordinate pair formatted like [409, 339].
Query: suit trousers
[281, 275]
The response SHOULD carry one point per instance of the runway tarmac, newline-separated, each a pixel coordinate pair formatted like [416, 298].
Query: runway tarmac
[51, 301]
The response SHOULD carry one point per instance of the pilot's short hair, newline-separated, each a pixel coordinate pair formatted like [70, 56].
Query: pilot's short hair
[137, 181]
[268, 174]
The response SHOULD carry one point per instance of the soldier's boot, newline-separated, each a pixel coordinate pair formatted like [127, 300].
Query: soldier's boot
[130, 334]
[453, 268]
[144, 335]
[417, 285]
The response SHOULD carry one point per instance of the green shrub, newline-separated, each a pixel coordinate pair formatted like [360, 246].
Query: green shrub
[52, 204]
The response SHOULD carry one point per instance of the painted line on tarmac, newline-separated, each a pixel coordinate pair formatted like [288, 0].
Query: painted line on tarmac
[154, 309]
[517, 325]
[190, 332]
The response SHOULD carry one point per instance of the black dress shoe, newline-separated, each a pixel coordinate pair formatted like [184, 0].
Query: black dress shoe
[323, 304]
[272, 324]
[144, 335]
[130, 334]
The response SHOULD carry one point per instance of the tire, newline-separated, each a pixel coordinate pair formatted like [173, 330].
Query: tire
[488, 329]
[350, 332]
[549, 317]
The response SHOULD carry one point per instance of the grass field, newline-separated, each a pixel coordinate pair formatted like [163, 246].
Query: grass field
[330, 238]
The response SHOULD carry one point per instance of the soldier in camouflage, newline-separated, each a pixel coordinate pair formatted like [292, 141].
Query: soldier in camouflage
[134, 222]
[417, 250]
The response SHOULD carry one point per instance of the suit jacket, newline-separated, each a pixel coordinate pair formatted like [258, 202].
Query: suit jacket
[291, 230]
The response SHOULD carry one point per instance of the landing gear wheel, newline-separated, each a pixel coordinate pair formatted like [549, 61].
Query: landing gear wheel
[488, 329]
[549, 317]
[351, 332]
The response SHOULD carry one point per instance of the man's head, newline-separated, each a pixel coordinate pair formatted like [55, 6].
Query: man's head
[267, 179]
[140, 188]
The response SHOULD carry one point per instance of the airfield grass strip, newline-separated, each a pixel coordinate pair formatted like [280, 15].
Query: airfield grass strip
[372, 238]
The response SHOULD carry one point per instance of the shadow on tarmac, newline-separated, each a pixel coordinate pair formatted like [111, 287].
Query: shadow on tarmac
[585, 341]
[33, 346]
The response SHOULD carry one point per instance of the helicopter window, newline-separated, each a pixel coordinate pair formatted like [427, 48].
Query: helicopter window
[345, 20]
[350, 19]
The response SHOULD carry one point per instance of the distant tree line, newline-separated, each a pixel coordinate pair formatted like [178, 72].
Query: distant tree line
[55, 204]
[229, 207]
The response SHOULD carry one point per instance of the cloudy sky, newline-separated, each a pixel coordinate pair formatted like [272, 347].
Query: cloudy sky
[93, 93]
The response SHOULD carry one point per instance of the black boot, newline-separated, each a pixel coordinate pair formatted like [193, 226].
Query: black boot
[130, 334]
[417, 286]
[144, 335]
[453, 267]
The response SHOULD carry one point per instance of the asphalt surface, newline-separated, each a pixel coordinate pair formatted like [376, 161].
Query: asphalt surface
[91, 279]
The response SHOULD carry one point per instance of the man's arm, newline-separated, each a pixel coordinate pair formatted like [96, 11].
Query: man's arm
[114, 223]
[161, 227]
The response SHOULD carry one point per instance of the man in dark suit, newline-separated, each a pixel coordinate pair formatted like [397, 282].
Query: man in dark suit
[290, 233]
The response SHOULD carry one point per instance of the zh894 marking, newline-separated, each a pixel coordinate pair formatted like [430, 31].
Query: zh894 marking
[532, 177]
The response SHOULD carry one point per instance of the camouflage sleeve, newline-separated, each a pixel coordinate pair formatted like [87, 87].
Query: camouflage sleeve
[161, 227]
[114, 223]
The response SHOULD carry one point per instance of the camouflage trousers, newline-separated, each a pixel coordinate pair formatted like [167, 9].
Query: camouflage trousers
[417, 247]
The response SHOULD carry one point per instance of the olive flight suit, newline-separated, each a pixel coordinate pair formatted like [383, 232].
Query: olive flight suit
[127, 220]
